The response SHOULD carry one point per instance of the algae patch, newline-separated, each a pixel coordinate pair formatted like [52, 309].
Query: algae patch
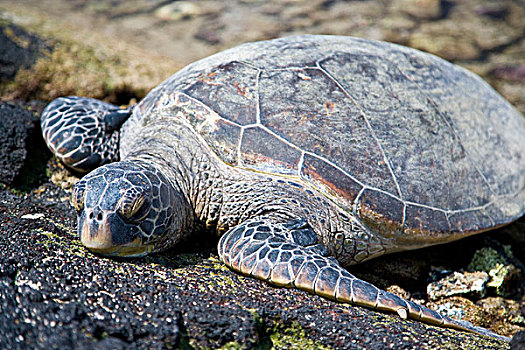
[293, 337]
[59, 60]
[70, 69]
[498, 268]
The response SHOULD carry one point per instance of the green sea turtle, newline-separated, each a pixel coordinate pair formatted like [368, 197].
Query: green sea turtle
[304, 154]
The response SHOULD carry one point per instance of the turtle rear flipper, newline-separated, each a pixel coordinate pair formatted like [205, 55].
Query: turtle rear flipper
[272, 252]
[83, 132]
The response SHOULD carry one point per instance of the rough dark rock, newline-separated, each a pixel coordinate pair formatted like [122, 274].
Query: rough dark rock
[54, 293]
[23, 154]
[20, 49]
[518, 341]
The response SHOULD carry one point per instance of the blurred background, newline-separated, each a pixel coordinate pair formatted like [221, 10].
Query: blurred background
[119, 49]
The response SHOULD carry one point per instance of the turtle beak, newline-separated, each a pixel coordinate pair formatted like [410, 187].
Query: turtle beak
[105, 234]
[95, 235]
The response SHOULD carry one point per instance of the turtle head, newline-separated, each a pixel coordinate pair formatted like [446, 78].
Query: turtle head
[127, 209]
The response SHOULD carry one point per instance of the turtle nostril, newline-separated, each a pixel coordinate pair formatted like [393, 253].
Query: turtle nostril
[96, 215]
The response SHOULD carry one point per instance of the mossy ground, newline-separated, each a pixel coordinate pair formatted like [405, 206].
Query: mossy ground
[72, 61]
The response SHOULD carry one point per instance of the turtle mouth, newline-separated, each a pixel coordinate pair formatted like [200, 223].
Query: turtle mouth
[111, 238]
[130, 250]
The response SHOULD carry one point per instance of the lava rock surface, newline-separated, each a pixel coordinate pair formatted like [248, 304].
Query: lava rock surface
[22, 150]
[56, 294]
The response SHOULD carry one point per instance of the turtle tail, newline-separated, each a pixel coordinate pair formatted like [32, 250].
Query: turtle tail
[83, 132]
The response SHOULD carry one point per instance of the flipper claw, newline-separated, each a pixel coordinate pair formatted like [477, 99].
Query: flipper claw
[402, 313]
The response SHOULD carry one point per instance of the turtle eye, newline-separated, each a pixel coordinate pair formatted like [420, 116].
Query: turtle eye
[133, 206]
[77, 197]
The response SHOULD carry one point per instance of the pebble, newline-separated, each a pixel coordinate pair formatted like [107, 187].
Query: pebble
[178, 10]
[470, 284]
[421, 9]
[32, 216]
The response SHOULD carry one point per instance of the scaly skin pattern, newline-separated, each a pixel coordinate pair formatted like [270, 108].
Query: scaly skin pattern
[280, 254]
[130, 201]
[82, 133]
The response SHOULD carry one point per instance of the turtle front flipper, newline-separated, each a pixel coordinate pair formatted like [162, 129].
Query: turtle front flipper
[83, 132]
[287, 255]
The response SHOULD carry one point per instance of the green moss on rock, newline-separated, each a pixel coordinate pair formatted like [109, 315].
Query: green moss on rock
[72, 61]
[485, 259]
[70, 69]
[496, 265]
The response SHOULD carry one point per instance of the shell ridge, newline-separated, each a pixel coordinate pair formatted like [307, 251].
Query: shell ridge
[365, 186]
[239, 147]
[202, 104]
[258, 98]
[300, 164]
[248, 64]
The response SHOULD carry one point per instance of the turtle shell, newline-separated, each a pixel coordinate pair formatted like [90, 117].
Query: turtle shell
[404, 139]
